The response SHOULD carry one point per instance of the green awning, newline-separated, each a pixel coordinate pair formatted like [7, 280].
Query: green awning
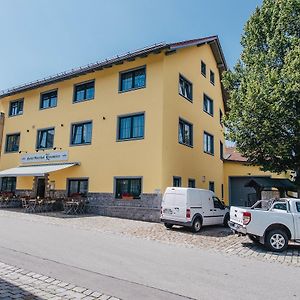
[269, 183]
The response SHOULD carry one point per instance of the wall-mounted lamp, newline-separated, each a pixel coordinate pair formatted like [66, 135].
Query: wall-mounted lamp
[103, 118]
[27, 130]
[37, 150]
[21, 151]
[61, 125]
[57, 148]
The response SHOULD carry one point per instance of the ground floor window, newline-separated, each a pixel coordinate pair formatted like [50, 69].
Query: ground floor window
[8, 184]
[78, 187]
[177, 181]
[128, 188]
[211, 186]
[192, 183]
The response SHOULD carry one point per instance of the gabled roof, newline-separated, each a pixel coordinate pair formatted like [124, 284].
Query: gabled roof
[213, 41]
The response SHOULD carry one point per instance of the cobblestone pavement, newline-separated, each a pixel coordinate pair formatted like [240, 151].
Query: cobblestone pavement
[17, 283]
[216, 238]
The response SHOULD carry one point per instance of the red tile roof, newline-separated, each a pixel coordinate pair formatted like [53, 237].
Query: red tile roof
[231, 154]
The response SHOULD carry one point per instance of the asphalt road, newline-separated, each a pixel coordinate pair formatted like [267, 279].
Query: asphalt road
[132, 268]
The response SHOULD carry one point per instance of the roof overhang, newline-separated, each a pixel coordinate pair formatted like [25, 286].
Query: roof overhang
[35, 170]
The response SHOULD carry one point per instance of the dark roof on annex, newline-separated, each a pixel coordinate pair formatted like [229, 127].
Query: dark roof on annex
[168, 48]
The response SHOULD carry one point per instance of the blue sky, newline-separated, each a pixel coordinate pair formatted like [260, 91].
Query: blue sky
[44, 37]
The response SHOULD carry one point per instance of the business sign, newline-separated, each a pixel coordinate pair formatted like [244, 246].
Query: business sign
[44, 157]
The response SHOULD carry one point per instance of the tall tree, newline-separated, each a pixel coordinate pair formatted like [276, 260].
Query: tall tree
[264, 89]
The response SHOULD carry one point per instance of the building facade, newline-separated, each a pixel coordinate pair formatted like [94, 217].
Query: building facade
[120, 131]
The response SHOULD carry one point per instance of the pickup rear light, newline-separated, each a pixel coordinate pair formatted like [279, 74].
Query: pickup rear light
[188, 213]
[246, 217]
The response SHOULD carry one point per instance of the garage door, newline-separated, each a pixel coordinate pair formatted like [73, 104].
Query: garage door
[239, 195]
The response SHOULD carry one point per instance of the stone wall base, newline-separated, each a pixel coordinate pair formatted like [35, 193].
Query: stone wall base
[145, 209]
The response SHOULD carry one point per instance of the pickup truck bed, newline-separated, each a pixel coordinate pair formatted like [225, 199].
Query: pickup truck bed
[274, 226]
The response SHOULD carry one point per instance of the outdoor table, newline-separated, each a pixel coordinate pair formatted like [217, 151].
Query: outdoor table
[74, 207]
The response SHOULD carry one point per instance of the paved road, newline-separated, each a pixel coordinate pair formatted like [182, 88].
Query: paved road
[133, 268]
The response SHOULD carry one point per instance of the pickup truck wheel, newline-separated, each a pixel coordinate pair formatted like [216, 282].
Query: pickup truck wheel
[226, 220]
[277, 240]
[168, 225]
[196, 227]
[254, 239]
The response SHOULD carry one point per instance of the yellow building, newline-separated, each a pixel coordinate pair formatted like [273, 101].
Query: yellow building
[120, 131]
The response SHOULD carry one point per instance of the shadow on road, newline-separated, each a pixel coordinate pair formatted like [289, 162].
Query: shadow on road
[11, 291]
[212, 231]
[292, 250]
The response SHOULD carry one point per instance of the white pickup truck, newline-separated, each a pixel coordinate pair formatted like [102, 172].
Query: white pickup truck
[274, 225]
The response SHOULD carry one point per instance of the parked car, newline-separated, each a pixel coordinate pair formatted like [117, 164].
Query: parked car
[273, 225]
[194, 208]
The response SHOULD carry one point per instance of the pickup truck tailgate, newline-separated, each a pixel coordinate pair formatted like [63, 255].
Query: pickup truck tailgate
[236, 214]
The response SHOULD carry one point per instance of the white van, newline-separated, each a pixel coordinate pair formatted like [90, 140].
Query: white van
[192, 208]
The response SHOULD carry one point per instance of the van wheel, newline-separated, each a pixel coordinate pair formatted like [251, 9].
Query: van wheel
[226, 220]
[277, 240]
[167, 225]
[196, 227]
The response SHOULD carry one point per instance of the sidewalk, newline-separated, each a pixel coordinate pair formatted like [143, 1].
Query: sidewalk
[21, 284]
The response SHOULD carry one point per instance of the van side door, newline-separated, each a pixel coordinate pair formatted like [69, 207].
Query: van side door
[208, 211]
[219, 211]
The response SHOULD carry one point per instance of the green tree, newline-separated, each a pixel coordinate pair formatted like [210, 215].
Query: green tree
[264, 89]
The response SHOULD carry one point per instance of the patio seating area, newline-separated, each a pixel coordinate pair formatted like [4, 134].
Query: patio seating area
[74, 205]
[9, 200]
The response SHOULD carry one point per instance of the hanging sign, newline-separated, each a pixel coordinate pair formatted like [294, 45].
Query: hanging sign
[44, 157]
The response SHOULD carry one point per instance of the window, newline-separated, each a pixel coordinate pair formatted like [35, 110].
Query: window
[12, 142]
[185, 133]
[221, 117]
[208, 105]
[45, 138]
[8, 184]
[203, 68]
[131, 127]
[81, 133]
[212, 77]
[218, 203]
[221, 151]
[280, 206]
[84, 91]
[222, 190]
[208, 143]
[134, 79]
[48, 100]
[128, 188]
[211, 186]
[177, 181]
[191, 183]
[185, 88]
[16, 108]
[298, 206]
[77, 187]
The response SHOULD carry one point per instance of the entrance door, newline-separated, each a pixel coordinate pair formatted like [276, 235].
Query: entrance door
[40, 188]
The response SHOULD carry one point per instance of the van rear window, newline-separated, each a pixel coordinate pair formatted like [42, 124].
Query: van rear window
[298, 206]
